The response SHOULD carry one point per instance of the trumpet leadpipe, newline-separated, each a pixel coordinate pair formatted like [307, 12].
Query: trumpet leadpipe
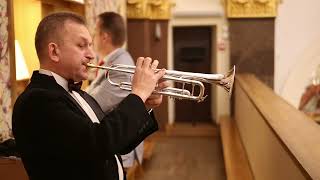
[169, 73]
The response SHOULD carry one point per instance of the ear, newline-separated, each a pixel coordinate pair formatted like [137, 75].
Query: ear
[53, 52]
[106, 36]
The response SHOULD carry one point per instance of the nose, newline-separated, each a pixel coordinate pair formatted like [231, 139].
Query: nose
[90, 54]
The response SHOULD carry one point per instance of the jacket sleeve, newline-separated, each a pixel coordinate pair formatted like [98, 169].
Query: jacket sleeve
[130, 123]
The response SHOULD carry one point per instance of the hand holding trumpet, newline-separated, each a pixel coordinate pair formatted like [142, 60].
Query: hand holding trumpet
[145, 80]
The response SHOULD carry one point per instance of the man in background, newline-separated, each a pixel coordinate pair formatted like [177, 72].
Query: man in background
[109, 37]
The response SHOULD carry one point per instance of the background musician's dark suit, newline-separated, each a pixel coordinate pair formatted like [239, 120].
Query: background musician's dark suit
[63, 133]
[110, 35]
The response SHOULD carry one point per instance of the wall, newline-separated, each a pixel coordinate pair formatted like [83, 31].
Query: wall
[202, 7]
[27, 15]
[297, 50]
[252, 47]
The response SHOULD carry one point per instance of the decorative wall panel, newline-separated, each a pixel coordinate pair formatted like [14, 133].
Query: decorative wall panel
[251, 8]
[5, 91]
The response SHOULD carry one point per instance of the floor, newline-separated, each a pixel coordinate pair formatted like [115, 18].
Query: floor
[185, 158]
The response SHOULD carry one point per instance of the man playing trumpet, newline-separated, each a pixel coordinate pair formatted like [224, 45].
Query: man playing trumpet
[61, 132]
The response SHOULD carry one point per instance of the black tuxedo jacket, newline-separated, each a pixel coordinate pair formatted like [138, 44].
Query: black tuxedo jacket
[57, 140]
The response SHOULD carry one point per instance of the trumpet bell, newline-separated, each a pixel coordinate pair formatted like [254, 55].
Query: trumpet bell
[228, 81]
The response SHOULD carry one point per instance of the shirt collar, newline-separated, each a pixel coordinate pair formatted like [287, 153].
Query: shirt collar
[59, 79]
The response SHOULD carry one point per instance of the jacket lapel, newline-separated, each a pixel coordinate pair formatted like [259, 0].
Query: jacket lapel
[93, 104]
[75, 104]
[48, 82]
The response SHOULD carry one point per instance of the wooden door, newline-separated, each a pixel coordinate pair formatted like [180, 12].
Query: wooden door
[192, 53]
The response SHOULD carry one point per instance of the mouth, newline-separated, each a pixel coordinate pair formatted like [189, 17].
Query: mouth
[85, 66]
[85, 63]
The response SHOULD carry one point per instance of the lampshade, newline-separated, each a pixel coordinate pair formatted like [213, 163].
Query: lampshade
[21, 67]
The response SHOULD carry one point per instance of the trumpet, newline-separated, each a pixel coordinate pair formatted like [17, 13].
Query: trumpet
[194, 79]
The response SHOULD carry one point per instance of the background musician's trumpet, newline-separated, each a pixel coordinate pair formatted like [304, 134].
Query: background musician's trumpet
[195, 79]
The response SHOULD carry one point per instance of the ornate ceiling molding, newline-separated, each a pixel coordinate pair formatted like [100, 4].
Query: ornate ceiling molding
[149, 9]
[251, 8]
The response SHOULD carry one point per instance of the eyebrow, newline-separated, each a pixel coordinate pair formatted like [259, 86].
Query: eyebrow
[86, 39]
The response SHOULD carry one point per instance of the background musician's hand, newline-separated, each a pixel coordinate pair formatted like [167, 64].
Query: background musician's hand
[311, 91]
[145, 78]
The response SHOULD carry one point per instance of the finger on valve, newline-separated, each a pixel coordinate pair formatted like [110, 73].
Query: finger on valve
[144, 79]
[154, 65]
[146, 63]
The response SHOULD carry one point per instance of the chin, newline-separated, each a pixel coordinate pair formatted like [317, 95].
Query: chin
[81, 77]
[85, 77]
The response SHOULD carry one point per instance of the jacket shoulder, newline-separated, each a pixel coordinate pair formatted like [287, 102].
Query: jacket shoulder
[34, 95]
[123, 58]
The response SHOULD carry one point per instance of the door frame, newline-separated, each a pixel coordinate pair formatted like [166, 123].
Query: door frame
[220, 102]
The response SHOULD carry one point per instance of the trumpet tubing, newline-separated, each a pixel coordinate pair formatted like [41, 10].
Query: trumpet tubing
[194, 79]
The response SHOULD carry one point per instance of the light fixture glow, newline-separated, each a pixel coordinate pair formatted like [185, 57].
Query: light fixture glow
[22, 72]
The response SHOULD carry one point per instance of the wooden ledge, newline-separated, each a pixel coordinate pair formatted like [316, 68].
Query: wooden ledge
[12, 169]
[235, 158]
[298, 133]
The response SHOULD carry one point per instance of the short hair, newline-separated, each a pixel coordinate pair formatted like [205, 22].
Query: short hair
[52, 26]
[113, 23]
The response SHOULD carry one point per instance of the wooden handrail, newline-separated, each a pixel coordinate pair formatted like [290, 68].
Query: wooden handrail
[297, 132]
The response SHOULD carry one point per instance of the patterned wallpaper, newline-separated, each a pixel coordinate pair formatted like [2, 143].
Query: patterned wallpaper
[5, 93]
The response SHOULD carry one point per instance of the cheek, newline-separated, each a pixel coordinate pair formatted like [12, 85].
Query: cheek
[72, 54]
[95, 43]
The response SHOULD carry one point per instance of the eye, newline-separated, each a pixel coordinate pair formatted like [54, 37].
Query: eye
[81, 45]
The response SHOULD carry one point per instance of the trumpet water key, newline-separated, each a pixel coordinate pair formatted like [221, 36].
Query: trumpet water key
[194, 79]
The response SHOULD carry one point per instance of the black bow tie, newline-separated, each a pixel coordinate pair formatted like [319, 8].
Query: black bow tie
[72, 86]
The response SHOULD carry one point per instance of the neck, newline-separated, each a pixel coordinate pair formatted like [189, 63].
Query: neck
[46, 67]
[109, 49]
[53, 69]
